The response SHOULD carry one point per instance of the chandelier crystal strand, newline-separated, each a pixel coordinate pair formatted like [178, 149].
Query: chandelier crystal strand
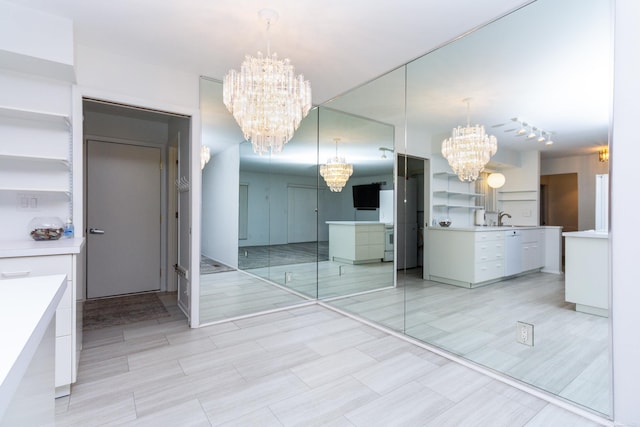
[267, 100]
[468, 150]
[336, 172]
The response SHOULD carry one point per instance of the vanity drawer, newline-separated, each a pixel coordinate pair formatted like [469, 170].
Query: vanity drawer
[485, 236]
[11, 268]
[489, 251]
[489, 271]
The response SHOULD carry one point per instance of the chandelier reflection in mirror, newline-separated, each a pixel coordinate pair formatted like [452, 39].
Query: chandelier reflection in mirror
[336, 171]
[469, 149]
[205, 156]
[266, 98]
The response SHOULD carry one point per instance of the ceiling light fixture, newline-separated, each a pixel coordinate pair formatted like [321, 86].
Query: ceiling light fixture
[266, 98]
[205, 156]
[541, 138]
[336, 171]
[469, 149]
[384, 152]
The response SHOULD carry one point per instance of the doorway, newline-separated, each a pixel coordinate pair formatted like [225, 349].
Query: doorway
[559, 202]
[139, 144]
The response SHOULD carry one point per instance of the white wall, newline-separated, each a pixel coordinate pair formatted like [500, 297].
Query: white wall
[36, 42]
[587, 167]
[625, 273]
[268, 204]
[220, 183]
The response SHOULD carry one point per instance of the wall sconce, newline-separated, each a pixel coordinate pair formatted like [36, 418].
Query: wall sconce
[603, 154]
[496, 180]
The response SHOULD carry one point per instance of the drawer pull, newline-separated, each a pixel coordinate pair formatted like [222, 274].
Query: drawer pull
[8, 274]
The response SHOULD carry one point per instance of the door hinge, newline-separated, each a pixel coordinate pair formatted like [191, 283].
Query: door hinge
[161, 165]
[160, 272]
[176, 215]
[160, 218]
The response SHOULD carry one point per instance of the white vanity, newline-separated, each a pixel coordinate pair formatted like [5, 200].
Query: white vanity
[356, 242]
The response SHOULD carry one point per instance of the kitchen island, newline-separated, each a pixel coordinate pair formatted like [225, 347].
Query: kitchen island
[356, 242]
[27, 367]
[587, 271]
[477, 256]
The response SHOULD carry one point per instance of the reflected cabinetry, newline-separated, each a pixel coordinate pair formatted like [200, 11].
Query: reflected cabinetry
[454, 199]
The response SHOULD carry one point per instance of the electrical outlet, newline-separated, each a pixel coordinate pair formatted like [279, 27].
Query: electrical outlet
[524, 333]
[288, 277]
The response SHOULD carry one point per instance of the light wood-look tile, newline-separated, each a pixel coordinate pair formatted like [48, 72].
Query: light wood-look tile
[307, 366]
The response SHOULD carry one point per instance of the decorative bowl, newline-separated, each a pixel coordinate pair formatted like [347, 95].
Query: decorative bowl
[445, 223]
[46, 228]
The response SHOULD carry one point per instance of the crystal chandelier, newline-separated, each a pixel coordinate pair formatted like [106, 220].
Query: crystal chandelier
[266, 98]
[205, 156]
[469, 149]
[336, 171]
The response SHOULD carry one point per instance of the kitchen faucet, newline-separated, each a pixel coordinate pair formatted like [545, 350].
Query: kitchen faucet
[500, 216]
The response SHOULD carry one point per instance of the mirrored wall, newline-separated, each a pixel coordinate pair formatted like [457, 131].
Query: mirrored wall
[544, 69]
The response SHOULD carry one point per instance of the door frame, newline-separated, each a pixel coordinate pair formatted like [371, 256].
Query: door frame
[192, 113]
[163, 249]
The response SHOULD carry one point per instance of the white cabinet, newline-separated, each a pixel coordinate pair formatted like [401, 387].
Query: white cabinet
[476, 256]
[532, 249]
[587, 271]
[465, 258]
[356, 242]
[68, 330]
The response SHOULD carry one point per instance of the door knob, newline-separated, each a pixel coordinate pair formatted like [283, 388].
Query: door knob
[96, 231]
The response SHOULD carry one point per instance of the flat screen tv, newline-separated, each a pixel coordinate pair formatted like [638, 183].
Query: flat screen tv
[366, 197]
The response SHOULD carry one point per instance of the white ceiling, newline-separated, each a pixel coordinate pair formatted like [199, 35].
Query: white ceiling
[336, 44]
[533, 65]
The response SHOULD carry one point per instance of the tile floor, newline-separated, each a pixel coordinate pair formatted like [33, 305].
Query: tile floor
[306, 366]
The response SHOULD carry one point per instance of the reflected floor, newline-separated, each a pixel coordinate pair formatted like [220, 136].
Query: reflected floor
[330, 279]
[570, 355]
[234, 293]
[250, 257]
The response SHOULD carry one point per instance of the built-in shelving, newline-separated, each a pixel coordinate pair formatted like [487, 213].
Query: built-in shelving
[35, 115]
[35, 160]
[43, 159]
[454, 199]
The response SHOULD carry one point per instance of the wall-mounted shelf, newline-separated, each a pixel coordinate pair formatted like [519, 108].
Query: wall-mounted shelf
[37, 190]
[449, 206]
[35, 115]
[457, 193]
[45, 159]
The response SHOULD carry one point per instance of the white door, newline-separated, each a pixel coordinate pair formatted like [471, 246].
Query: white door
[301, 217]
[123, 219]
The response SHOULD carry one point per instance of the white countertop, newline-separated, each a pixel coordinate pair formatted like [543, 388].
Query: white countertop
[589, 234]
[27, 306]
[30, 247]
[487, 228]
